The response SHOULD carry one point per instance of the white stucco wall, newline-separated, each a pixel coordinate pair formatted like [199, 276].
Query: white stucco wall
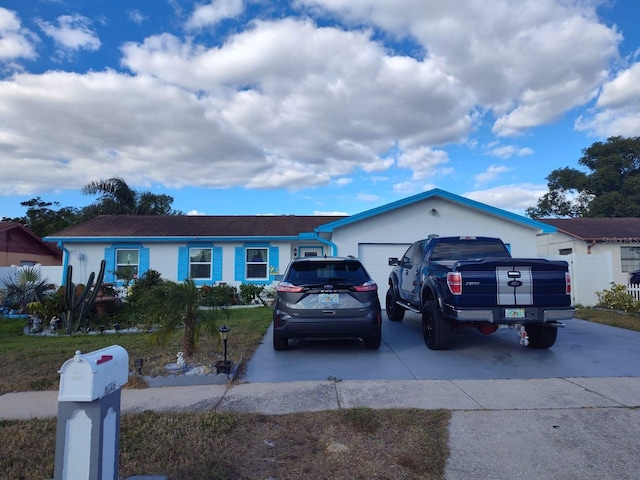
[416, 221]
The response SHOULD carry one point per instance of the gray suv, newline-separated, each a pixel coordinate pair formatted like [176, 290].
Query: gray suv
[326, 297]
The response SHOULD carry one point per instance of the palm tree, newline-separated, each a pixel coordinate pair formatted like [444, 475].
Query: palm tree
[117, 198]
[176, 304]
[27, 286]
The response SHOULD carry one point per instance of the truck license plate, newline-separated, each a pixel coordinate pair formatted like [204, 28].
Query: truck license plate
[330, 298]
[514, 312]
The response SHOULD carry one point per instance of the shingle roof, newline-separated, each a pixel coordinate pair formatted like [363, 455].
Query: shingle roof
[9, 226]
[597, 228]
[195, 226]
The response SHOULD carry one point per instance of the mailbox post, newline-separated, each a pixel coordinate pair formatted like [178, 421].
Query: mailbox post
[88, 427]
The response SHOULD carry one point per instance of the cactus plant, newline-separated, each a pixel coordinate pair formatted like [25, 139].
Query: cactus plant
[79, 306]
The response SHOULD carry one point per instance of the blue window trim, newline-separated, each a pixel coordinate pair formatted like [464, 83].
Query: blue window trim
[273, 263]
[110, 259]
[216, 263]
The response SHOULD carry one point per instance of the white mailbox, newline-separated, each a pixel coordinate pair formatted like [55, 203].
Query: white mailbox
[87, 377]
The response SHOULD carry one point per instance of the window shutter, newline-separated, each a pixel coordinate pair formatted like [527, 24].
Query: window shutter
[216, 274]
[144, 261]
[274, 262]
[183, 263]
[110, 264]
[239, 265]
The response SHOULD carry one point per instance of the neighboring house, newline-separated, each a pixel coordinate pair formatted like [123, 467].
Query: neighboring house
[257, 249]
[21, 247]
[617, 237]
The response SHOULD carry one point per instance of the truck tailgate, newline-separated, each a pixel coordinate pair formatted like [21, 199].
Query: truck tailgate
[513, 282]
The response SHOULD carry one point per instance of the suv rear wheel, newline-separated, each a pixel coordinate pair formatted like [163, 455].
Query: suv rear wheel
[280, 343]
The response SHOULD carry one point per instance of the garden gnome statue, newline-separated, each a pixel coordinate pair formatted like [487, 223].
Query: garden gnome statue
[181, 362]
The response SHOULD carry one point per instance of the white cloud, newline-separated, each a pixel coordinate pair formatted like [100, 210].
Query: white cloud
[72, 33]
[15, 41]
[515, 198]
[330, 214]
[617, 110]
[288, 104]
[490, 174]
[214, 12]
[508, 151]
[136, 16]
[527, 62]
[368, 197]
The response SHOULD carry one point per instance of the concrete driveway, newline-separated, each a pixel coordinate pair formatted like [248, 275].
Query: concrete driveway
[583, 349]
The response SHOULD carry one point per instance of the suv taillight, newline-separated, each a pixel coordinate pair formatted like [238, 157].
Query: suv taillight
[454, 281]
[369, 286]
[567, 283]
[286, 287]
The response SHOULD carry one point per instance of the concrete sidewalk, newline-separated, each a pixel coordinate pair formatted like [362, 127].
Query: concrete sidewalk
[586, 428]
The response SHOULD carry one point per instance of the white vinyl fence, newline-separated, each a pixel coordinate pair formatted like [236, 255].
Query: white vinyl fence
[52, 274]
[589, 274]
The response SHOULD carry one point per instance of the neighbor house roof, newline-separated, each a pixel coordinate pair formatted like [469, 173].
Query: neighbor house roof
[110, 226]
[597, 229]
[16, 238]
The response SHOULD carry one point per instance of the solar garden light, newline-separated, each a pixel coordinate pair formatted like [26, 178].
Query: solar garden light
[225, 366]
[224, 331]
[138, 363]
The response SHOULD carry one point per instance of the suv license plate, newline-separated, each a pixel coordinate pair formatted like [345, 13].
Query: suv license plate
[330, 298]
[514, 312]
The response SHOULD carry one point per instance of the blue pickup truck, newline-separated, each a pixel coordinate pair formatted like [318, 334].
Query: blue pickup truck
[473, 281]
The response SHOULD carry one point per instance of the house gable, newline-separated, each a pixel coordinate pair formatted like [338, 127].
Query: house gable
[18, 245]
[447, 196]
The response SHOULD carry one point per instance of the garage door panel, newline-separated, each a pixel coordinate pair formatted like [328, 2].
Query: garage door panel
[375, 258]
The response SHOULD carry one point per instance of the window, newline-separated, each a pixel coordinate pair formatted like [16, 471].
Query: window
[630, 258]
[200, 263]
[256, 260]
[565, 251]
[127, 264]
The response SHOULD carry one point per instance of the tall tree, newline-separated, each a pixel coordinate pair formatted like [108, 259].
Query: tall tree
[609, 188]
[117, 198]
[43, 220]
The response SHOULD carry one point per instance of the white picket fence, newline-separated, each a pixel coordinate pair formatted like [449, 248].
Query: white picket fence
[634, 290]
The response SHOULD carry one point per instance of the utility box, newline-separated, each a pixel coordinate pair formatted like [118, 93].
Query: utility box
[90, 376]
[88, 429]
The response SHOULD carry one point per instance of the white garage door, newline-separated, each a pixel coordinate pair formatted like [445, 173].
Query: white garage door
[375, 258]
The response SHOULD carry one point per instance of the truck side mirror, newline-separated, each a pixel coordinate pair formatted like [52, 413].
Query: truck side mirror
[393, 261]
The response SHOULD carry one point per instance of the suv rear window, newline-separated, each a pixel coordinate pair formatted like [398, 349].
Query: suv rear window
[346, 272]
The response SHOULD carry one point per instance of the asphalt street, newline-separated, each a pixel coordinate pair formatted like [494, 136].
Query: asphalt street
[583, 349]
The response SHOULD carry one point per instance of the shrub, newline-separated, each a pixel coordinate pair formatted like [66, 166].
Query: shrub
[250, 292]
[218, 295]
[617, 298]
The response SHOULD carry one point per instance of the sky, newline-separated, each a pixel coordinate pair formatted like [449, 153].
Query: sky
[309, 107]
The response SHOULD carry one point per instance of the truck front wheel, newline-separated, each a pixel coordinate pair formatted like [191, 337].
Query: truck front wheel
[436, 330]
[394, 311]
[541, 336]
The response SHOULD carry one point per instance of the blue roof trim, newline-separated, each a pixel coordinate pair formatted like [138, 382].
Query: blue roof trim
[438, 193]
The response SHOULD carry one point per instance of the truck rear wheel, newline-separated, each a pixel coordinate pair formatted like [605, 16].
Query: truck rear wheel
[394, 311]
[436, 330]
[541, 336]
